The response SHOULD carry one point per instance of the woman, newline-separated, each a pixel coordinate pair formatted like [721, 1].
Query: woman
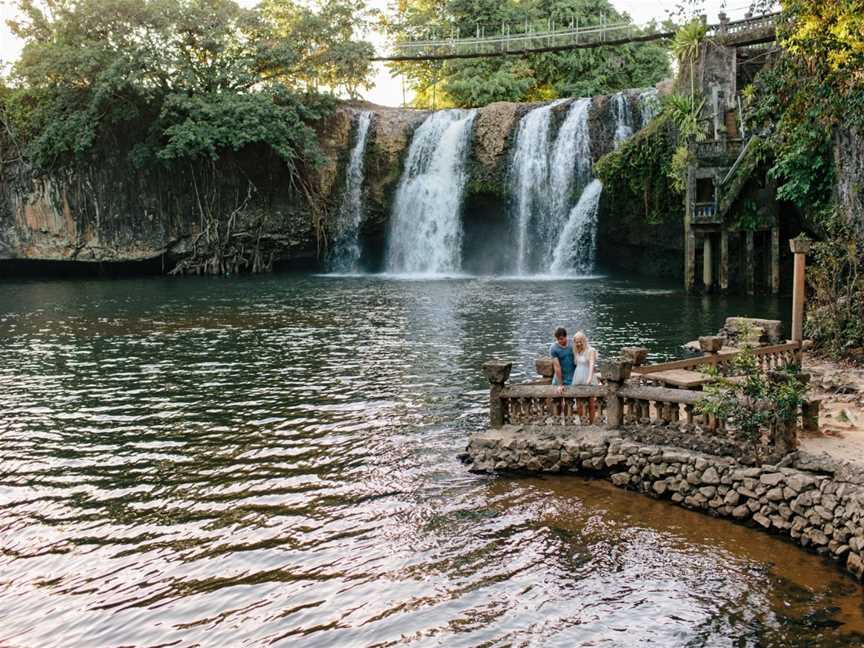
[586, 371]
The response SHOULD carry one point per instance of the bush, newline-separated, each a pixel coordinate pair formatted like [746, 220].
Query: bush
[835, 317]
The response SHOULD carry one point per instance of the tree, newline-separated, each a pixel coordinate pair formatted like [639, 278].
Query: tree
[176, 88]
[194, 76]
[475, 82]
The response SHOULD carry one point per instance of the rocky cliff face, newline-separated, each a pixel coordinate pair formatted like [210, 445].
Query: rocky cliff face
[112, 212]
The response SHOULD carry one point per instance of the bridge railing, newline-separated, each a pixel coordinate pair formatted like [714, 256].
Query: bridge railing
[532, 39]
[508, 42]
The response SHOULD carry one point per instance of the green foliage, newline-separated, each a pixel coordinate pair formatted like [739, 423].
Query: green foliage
[835, 315]
[170, 79]
[677, 174]
[686, 112]
[641, 172]
[786, 109]
[755, 402]
[477, 82]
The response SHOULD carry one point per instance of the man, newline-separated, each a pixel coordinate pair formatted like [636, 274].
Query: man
[563, 360]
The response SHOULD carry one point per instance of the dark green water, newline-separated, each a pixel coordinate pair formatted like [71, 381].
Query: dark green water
[272, 461]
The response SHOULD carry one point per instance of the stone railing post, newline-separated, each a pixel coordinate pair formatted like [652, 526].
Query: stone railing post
[497, 374]
[615, 372]
[800, 248]
[636, 355]
[711, 345]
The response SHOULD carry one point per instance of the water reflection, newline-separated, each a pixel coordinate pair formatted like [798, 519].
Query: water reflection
[273, 462]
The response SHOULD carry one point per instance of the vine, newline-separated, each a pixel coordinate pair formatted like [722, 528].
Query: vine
[643, 171]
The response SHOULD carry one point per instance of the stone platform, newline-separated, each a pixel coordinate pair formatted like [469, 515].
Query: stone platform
[816, 502]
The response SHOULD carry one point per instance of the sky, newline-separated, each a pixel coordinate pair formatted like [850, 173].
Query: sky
[387, 90]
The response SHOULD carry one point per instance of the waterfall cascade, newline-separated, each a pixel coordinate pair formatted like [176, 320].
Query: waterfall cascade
[545, 176]
[576, 247]
[530, 176]
[649, 105]
[624, 120]
[426, 229]
[345, 255]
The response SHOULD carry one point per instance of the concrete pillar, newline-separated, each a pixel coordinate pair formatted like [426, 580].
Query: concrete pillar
[800, 247]
[707, 263]
[724, 260]
[775, 260]
[749, 262]
[497, 374]
[690, 265]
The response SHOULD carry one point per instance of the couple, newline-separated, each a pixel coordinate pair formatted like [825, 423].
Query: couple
[574, 364]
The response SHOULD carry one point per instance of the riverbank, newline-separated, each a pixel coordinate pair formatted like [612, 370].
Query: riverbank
[841, 417]
[814, 501]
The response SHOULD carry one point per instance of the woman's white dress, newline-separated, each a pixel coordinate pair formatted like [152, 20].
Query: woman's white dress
[583, 368]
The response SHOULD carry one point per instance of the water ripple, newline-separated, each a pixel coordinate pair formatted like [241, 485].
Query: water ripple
[273, 462]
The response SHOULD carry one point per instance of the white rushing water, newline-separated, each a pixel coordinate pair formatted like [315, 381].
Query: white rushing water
[546, 175]
[426, 228]
[624, 119]
[530, 176]
[649, 105]
[578, 243]
[345, 256]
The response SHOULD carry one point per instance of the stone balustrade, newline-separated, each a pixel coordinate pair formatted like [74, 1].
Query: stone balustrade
[622, 402]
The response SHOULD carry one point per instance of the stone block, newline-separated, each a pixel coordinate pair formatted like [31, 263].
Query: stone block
[771, 479]
[621, 479]
[708, 491]
[497, 373]
[544, 367]
[615, 460]
[616, 369]
[732, 498]
[771, 330]
[660, 487]
[710, 476]
[636, 355]
[762, 520]
[710, 343]
[775, 495]
[854, 564]
[741, 512]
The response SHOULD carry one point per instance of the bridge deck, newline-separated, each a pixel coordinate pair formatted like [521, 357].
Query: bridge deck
[752, 31]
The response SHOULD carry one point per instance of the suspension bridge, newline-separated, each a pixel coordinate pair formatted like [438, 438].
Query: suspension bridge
[554, 38]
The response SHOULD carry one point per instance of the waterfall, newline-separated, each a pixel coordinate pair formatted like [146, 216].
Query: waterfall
[624, 122]
[649, 105]
[570, 171]
[545, 175]
[578, 242]
[345, 256]
[530, 176]
[426, 228]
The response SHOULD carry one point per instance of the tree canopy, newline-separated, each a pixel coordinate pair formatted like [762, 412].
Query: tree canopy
[178, 78]
[476, 82]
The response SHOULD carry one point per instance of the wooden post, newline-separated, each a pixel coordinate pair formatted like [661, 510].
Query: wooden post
[497, 374]
[749, 261]
[724, 259]
[707, 263]
[775, 260]
[800, 247]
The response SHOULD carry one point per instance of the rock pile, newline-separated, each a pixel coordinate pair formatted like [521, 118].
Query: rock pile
[820, 508]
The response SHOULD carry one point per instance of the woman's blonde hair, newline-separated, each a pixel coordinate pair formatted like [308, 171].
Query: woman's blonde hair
[580, 337]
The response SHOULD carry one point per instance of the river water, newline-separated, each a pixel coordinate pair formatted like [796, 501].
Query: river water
[273, 461]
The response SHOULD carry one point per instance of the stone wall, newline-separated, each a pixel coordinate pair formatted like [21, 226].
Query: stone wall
[816, 503]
